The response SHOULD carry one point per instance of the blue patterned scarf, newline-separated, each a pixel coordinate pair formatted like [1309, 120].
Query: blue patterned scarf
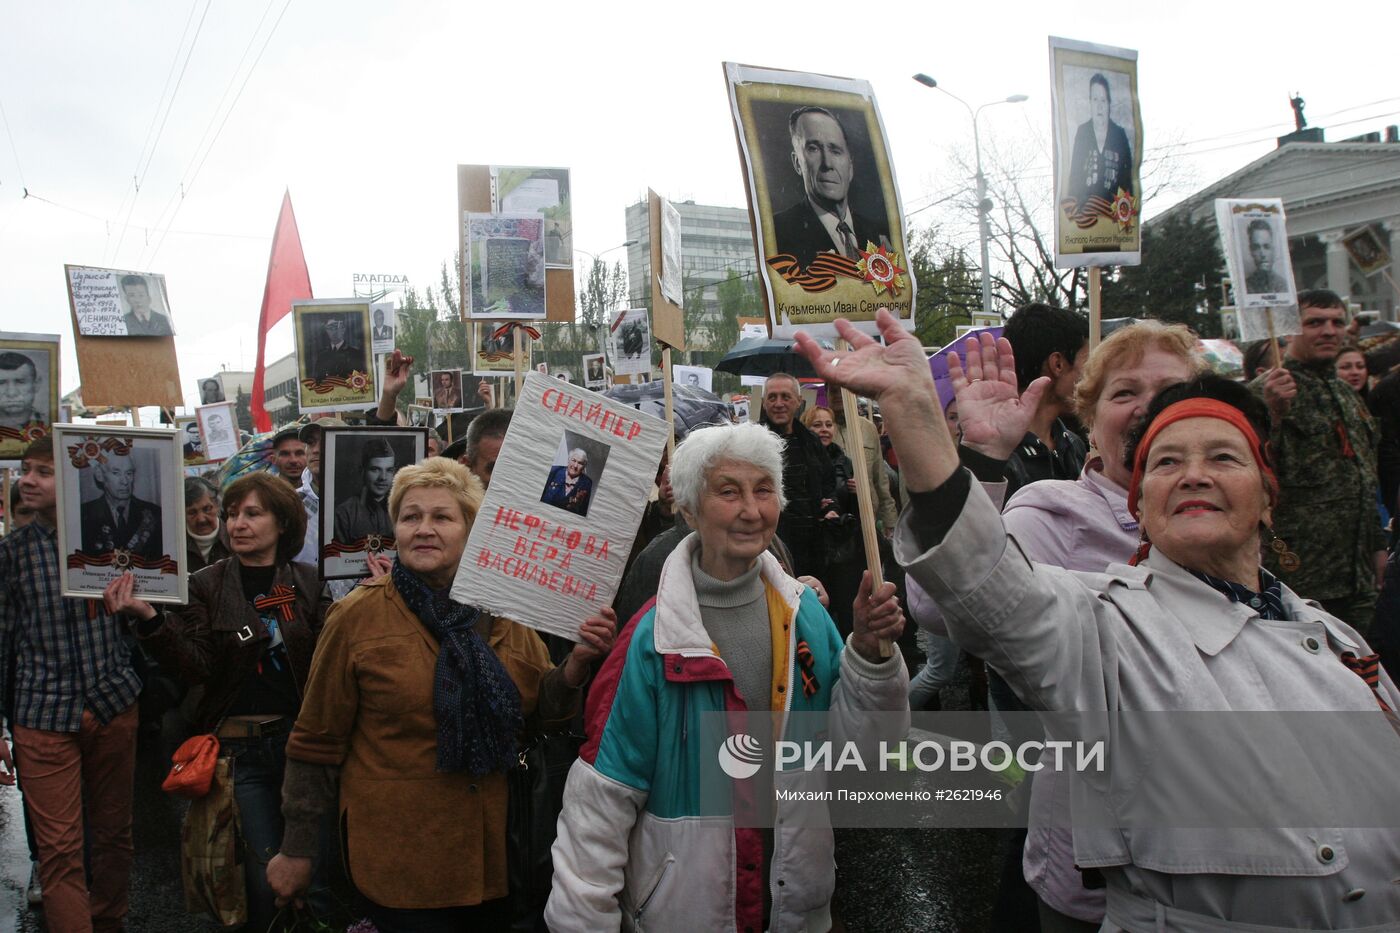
[476, 704]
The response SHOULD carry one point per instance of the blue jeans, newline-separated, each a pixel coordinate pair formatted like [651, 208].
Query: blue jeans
[940, 664]
[258, 767]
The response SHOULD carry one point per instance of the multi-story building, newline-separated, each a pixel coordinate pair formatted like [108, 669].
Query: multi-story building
[714, 240]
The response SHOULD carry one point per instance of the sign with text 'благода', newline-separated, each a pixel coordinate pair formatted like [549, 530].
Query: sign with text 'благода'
[549, 545]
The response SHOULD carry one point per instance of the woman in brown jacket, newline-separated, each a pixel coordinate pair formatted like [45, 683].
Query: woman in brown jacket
[414, 708]
[246, 636]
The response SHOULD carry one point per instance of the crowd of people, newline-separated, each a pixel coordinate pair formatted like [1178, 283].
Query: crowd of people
[1072, 529]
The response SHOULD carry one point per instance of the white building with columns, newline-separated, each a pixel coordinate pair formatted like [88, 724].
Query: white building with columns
[1329, 190]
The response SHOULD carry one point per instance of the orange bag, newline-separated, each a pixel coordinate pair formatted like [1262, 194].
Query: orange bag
[192, 767]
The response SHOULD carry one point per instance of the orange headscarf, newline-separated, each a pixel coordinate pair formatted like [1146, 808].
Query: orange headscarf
[1198, 408]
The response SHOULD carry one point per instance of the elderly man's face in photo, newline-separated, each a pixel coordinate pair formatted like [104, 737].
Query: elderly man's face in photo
[577, 461]
[379, 319]
[1098, 106]
[118, 478]
[1261, 249]
[17, 389]
[379, 476]
[820, 156]
[139, 297]
[335, 330]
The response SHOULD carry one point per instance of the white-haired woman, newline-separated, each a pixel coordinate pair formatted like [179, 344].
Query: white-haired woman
[729, 631]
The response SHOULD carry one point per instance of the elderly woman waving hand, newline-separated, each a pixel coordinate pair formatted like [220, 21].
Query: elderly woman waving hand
[1193, 625]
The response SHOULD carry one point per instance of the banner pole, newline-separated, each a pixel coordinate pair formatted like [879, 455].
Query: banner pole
[1095, 307]
[670, 405]
[865, 495]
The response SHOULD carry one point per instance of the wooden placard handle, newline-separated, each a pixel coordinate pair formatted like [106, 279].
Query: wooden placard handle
[865, 495]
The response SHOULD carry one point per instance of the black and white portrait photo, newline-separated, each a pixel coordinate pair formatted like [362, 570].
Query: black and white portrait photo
[358, 469]
[120, 507]
[697, 377]
[1266, 251]
[28, 390]
[191, 444]
[593, 373]
[1097, 135]
[823, 197]
[117, 303]
[382, 327]
[335, 370]
[629, 342]
[218, 428]
[1254, 234]
[578, 464]
[211, 390]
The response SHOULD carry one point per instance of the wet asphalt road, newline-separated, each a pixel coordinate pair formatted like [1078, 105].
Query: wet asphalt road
[888, 881]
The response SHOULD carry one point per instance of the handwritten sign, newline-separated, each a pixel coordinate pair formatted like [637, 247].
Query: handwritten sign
[549, 545]
[117, 303]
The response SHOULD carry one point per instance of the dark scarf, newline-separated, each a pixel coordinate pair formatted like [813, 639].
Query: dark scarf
[476, 704]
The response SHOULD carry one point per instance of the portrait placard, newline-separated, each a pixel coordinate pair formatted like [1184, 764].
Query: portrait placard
[1367, 250]
[495, 349]
[549, 545]
[447, 389]
[699, 377]
[335, 369]
[191, 442]
[218, 429]
[1097, 133]
[29, 394]
[1255, 236]
[823, 200]
[517, 189]
[506, 278]
[629, 342]
[594, 373]
[382, 322]
[118, 303]
[421, 416]
[121, 506]
[739, 404]
[211, 390]
[358, 466]
[563, 375]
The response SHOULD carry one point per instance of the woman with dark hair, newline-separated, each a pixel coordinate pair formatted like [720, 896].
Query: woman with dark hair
[206, 541]
[246, 636]
[1352, 369]
[1191, 624]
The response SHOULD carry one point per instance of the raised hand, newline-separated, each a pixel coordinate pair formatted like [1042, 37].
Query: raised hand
[868, 368]
[993, 415]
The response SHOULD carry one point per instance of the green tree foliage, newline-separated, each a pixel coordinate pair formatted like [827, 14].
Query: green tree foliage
[1178, 280]
[950, 287]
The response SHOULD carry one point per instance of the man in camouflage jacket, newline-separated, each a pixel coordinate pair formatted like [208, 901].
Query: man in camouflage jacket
[1324, 448]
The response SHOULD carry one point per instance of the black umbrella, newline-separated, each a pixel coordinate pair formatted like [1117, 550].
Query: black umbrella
[764, 356]
[692, 406]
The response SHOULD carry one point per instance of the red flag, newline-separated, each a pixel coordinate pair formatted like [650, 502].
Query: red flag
[287, 281]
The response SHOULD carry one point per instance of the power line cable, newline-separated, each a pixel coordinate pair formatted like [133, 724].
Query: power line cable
[186, 185]
[13, 148]
[155, 143]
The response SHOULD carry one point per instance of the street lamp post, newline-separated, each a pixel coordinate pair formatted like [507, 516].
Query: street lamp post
[983, 204]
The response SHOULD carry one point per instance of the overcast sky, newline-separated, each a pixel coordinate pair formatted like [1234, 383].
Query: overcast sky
[363, 109]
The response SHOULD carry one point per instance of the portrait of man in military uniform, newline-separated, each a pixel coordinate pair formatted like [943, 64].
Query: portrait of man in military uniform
[117, 518]
[1262, 278]
[366, 512]
[335, 352]
[143, 319]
